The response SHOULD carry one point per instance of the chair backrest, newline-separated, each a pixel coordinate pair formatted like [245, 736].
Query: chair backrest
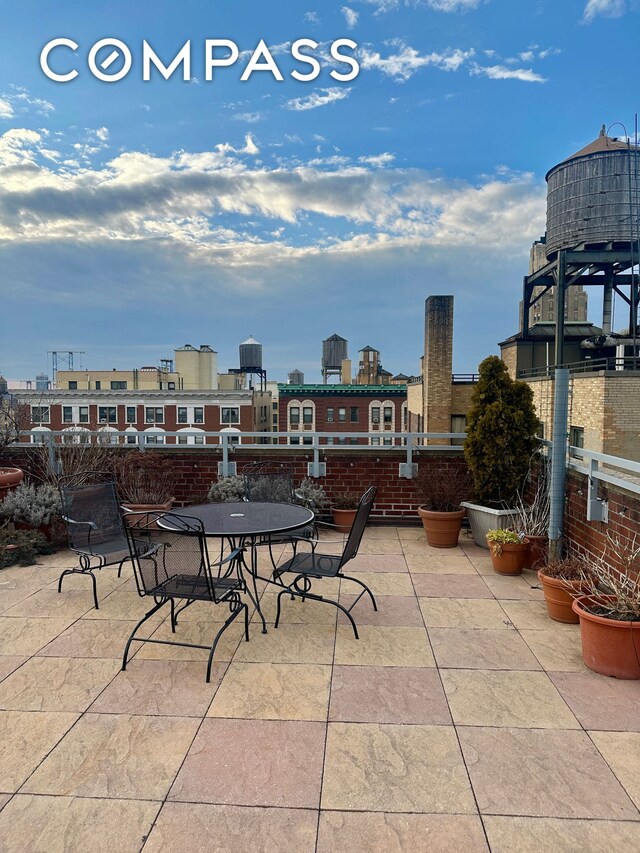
[269, 483]
[91, 497]
[164, 547]
[358, 526]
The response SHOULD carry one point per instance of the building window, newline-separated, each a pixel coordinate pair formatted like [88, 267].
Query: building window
[107, 414]
[307, 415]
[171, 386]
[83, 414]
[40, 414]
[67, 415]
[294, 440]
[329, 415]
[458, 424]
[131, 414]
[342, 416]
[230, 415]
[198, 415]
[540, 430]
[294, 416]
[375, 441]
[73, 386]
[354, 414]
[387, 441]
[154, 415]
[274, 406]
[307, 439]
[198, 439]
[275, 420]
[182, 415]
[98, 385]
[576, 436]
[353, 440]
[375, 414]
[118, 386]
[154, 439]
[388, 414]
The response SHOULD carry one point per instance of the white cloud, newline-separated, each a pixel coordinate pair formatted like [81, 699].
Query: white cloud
[19, 101]
[319, 98]
[250, 118]
[378, 159]
[500, 72]
[311, 17]
[406, 62]
[6, 110]
[383, 6]
[607, 8]
[350, 16]
[102, 134]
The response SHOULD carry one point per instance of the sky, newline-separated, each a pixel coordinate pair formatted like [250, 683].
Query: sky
[139, 215]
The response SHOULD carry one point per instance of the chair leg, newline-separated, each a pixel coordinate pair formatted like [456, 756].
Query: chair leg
[295, 594]
[174, 621]
[233, 615]
[132, 637]
[364, 587]
[81, 572]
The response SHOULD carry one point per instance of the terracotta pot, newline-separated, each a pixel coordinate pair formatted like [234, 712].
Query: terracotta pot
[508, 558]
[343, 519]
[538, 551]
[9, 479]
[559, 599]
[165, 507]
[442, 528]
[609, 646]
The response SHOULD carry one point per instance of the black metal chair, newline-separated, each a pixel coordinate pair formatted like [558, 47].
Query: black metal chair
[308, 567]
[95, 529]
[176, 566]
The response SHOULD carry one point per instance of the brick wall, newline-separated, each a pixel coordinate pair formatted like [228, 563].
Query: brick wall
[438, 361]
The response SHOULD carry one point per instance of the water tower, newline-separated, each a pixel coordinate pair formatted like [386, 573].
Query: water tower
[296, 377]
[334, 352]
[251, 361]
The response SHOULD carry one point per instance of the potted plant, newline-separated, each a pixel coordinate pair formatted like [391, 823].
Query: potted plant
[21, 547]
[609, 612]
[531, 519]
[226, 490]
[32, 506]
[13, 419]
[146, 481]
[440, 488]
[311, 494]
[563, 580]
[501, 437]
[508, 551]
[344, 506]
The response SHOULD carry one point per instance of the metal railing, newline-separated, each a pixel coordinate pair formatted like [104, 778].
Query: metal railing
[589, 365]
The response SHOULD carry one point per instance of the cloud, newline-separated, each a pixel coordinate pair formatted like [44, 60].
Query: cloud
[378, 159]
[383, 6]
[407, 61]
[20, 101]
[606, 8]
[500, 72]
[311, 17]
[250, 118]
[319, 98]
[350, 16]
[6, 110]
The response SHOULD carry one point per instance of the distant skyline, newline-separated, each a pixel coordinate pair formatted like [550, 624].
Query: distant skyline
[139, 216]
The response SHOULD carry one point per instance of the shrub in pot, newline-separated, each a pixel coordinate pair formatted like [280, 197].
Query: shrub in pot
[344, 506]
[508, 551]
[563, 580]
[32, 506]
[146, 481]
[440, 488]
[531, 518]
[226, 490]
[21, 547]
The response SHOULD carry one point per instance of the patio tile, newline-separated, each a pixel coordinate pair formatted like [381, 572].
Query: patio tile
[296, 611]
[514, 588]
[254, 763]
[600, 702]
[290, 643]
[107, 580]
[160, 687]
[351, 832]
[440, 563]
[9, 663]
[56, 684]
[420, 547]
[124, 605]
[462, 613]
[414, 533]
[273, 691]
[381, 532]
[24, 636]
[527, 615]
[12, 593]
[91, 638]
[400, 610]
[542, 773]
[621, 751]
[108, 755]
[378, 694]
[63, 824]
[377, 563]
[69, 604]
[557, 647]
[189, 827]
[519, 699]
[372, 767]
[383, 646]
[201, 633]
[450, 586]
[25, 738]
[380, 546]
[534, 835]
[481, 648]
[380, 583]
[4, 799]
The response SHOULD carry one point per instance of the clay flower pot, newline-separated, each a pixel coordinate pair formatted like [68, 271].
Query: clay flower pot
[442, 528]
[559, 596]
[508, 558]
[343, 519]
[609, 646]
[9, 479]
[538, 551]
[165, 507]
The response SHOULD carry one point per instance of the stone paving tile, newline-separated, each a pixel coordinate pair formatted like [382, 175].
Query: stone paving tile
[289, 643]
[25, 738]
[400, 610]
[253, 763]
[621, 751]
[25, 636]
[9, 663]
[56, 684]
[63, 824]
[542, 773]
[481, 648]
[600, 702]
[377, 563]
[514, 589]
[160, 687]
[123, 605]
[553, 835]
[91, 638]
[49, 602]
[519, 699]
[121, 756]
[450, 586]
[378, 832]
[557, 647]
[527, 615]
[4, 799]
[380, 546]
[189, 827]
[383, 646]
[381, 532]
[372, 767]
[201, 633]
[380, 583]
[440, 563]
[273, 691]
[378, 694]
[463, 613]
[296, 611]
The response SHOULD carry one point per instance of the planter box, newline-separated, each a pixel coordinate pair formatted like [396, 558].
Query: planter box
[484, 518]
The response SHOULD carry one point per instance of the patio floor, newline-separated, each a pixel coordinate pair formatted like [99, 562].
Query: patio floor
[463, 720]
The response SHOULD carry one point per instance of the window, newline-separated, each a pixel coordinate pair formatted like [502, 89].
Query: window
[171, 386]
[107, 414]
[67, 415]
[294, 440]
[576, 436]
[118, 386]
[540, 430]
[307, 439]
[40, 414]
[458, 424]
[198, 439]
[354, 414]
[98, 385]
[182, 415]
[330, 416]
[154, 415]
[83, 412]
[154, 439]
[388, 414]
[342, 416]
[294, 416]
[275, 420]
[131, 414]
[387, 441]
[329, 439]
[375, 414]
[198, 415]
[375, 441]
[353, 440]
[132, 439]
[73, 386]
[274, 406]
[230, 415]
[307, 415]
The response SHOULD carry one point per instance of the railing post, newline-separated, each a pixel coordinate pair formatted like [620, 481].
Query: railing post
[559, 448]
[51, 447]
[597, 509]
[408, 469]
[316, 468]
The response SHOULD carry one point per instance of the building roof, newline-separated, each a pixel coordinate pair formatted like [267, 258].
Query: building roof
[336, 338]
[599, 145]
[342, 390]
[368, 349]
[250, 340]
[547, 332]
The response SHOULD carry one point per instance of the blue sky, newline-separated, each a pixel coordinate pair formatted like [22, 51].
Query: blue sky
[138, 216]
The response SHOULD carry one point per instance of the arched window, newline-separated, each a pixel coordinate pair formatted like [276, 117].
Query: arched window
[192, 435]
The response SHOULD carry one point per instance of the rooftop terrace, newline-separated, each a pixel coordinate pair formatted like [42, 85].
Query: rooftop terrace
[462, 720]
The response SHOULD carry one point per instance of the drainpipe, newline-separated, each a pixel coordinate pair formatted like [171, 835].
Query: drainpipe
[559, 449]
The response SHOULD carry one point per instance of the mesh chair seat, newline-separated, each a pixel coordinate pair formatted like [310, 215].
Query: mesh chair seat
[188, 586]
[313, 564]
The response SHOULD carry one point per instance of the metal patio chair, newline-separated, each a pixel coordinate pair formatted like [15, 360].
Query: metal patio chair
[309, 566]
[176, 567]
[95, 529]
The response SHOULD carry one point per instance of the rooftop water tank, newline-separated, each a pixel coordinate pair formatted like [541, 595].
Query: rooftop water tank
[250, 355]
[334, 351]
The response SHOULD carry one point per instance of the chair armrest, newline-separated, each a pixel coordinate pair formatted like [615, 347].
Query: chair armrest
[91, 524]
[232, 556]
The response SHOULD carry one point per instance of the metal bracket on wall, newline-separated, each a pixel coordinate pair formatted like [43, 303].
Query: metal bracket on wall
[408, 470]
[597, 508]
[227, 469]
[316, 469]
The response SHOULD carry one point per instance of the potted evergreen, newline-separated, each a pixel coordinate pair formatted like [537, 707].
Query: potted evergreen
[508, 551]
[31, 506]
[344, 506]
[226, 490]
[501, 437]
[440, 488]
